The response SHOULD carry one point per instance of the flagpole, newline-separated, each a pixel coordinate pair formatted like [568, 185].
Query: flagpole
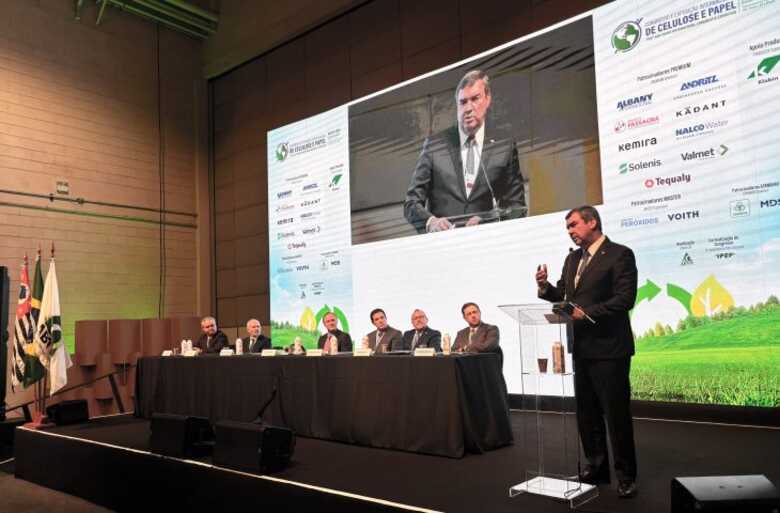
[40, 419]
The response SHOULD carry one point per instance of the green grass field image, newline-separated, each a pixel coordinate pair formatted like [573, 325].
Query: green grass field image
[283, 333]
[718, 354]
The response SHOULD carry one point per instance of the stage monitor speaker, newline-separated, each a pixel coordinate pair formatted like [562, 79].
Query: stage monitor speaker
[181, 436]
[4, 286]
[68, 412]
[253, 447]
[724, 494]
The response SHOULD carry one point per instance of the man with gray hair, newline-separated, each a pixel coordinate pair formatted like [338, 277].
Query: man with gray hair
[466, 173]
[255, 342]
[212, 341]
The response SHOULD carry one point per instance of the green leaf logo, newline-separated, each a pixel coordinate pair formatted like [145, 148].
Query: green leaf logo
[765, 67]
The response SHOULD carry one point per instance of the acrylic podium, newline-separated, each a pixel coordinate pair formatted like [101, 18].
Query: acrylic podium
[550, 438]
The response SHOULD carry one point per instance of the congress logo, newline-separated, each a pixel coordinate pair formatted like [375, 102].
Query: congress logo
[281, 152]
[766, 70]
[627, 36]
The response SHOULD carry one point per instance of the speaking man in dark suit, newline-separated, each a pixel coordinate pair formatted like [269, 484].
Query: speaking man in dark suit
[600, 278]
[256, 341]
[421, 335]
[333, 340]
[212, 340]
[465, 169]
[384, 338]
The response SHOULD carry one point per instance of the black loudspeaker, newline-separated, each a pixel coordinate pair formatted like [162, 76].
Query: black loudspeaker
[68, 412]
[181, 436]
[4, 285]
[253, 447]
[724, 494]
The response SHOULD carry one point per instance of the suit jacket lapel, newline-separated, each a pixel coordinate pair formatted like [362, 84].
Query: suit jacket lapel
[571, 272]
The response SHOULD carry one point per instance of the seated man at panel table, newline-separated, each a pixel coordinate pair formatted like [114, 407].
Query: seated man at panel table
[333, 340]
[212, 341]
[384, 338]
[478, 337]
[256, 341]
[421, 335]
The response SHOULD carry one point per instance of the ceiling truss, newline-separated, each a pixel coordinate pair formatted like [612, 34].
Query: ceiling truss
[176, 14]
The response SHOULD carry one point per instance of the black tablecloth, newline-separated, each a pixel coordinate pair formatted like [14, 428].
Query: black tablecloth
[440, 405]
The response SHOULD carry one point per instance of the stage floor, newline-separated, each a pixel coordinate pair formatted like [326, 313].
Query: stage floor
[665, 449]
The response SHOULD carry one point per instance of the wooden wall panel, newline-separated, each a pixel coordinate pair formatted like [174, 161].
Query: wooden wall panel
[79, 103]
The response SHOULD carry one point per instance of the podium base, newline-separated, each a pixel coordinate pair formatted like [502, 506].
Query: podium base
[561, 489]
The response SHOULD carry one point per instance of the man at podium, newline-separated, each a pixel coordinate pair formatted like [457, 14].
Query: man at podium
[600, 280]
[467, 169]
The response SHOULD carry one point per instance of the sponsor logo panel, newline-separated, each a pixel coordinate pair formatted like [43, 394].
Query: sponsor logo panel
[667, 181]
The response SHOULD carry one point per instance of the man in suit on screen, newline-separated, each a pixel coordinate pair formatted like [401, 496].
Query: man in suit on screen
[421, 335]
[466, 169]
[600, 280]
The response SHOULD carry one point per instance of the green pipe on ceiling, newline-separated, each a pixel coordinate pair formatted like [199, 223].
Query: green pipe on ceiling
[197, 11]
[177, 15]
[167, 22]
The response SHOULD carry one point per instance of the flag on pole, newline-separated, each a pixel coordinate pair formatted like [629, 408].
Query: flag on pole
[27, 369]
[37, 290]
[54, 355]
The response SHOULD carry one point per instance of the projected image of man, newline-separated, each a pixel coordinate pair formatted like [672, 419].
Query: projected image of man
[467, 172]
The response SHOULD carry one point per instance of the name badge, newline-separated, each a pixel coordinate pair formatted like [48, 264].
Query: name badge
[269, 352]
[314, 352]
[425, 351]
[226, 352]
[363, 351]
